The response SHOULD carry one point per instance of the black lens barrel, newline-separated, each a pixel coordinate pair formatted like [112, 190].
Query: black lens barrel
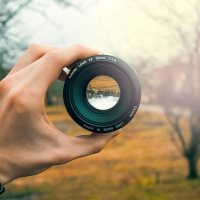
[82, 112]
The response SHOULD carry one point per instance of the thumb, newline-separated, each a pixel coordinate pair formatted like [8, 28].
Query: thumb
[84, 145]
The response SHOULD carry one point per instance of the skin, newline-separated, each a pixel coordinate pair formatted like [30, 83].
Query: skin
[29, 142]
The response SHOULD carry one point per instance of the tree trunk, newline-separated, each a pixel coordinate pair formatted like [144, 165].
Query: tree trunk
[192, 166]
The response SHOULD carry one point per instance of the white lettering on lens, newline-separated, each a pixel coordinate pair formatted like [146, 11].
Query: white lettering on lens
[133, 111]
[88, 127]
[100, 58]
[119, 125]
[108, 129]
[112, 59]
[72, 73]
[82, 63]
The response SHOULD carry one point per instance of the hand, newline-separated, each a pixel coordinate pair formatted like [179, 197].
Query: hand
[29, 142]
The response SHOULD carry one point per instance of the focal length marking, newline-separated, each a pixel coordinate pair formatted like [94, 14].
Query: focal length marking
[81, 64]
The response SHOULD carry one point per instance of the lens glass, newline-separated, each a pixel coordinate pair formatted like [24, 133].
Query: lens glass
[103, 92]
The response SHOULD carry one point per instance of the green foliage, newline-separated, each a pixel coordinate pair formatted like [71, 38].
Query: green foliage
[55, 94]
[3, 72]
[24, 191]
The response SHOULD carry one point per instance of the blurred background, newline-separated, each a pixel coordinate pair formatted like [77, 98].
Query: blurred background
[157, 155]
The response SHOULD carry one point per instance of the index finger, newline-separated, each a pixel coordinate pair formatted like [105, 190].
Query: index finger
[33, 53]
[52, 63]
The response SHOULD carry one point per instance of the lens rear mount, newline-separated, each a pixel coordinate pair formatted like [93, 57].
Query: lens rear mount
[78, 106]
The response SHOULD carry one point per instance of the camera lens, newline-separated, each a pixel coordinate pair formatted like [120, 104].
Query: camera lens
[102, 93]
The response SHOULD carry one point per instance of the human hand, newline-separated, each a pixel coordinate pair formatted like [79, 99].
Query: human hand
[29, 142]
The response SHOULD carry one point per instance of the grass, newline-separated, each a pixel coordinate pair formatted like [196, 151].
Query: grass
[139, 164]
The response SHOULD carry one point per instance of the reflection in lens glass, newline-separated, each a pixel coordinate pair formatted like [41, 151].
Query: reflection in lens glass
[103, 92]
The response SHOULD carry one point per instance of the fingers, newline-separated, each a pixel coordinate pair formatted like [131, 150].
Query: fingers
[52, 63]
[33, 53]
[86, 145]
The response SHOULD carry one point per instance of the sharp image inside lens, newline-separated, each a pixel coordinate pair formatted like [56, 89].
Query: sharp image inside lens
[103, 92]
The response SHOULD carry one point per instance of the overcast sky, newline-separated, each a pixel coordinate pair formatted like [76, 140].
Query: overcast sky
[115, 27]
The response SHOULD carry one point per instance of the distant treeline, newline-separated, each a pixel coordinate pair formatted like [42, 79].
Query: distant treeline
[105, 93]
[54, 95]
[3, 72]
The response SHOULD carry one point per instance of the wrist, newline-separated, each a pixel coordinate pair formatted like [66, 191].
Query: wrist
[2, 189]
